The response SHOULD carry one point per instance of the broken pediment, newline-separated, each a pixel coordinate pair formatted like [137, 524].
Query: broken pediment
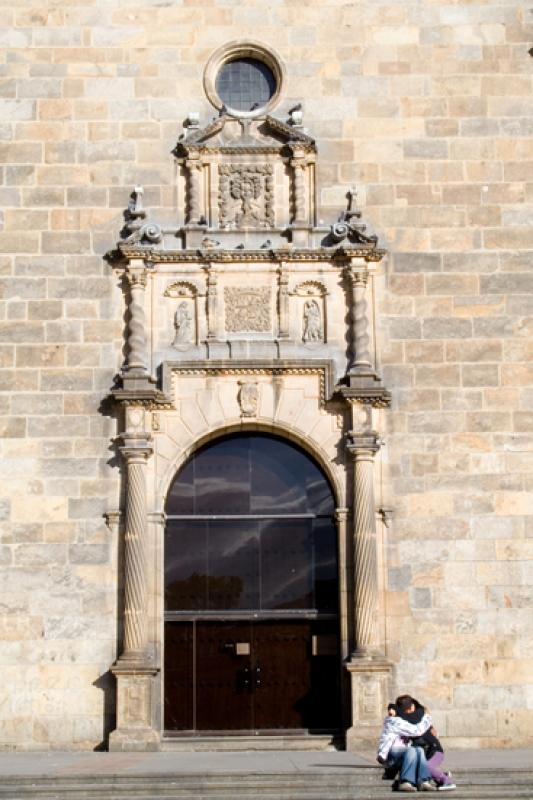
[246, 184]
[258, 135]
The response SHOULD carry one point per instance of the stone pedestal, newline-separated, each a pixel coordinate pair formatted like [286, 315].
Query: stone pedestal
[136, 728]
[370, 688]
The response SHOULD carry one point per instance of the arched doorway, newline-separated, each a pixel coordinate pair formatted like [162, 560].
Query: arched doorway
[251, 591]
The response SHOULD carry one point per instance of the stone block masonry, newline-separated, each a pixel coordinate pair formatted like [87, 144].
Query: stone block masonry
[427, 109]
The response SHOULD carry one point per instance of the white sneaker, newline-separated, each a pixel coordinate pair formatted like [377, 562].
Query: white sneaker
[446, 787]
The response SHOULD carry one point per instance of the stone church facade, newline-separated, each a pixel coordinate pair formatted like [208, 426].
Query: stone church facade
[265, 353]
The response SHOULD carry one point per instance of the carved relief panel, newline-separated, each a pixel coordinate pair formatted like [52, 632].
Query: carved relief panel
[246, 195]
[310, 309]
[247, 309]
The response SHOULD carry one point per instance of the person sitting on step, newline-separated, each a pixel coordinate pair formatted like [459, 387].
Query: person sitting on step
[395, 749]
[412, 711]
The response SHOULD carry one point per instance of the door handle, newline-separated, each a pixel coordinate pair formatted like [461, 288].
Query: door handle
[246, 678]
[257, 680]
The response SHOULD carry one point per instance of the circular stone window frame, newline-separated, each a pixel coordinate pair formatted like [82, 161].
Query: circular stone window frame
[232, 52]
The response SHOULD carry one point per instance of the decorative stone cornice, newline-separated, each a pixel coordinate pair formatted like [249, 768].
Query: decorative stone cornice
[151, 399]
[376, 396]
[342, 256]
[323, 368]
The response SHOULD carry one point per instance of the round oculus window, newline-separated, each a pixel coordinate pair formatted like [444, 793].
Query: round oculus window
[244, 78]
[245, 84]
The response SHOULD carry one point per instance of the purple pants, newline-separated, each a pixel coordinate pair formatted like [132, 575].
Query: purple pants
[433, 765]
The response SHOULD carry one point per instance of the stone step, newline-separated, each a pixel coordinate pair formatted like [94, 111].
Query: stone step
[357, 784]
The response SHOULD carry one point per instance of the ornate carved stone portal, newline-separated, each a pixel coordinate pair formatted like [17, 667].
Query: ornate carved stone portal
[239, 319]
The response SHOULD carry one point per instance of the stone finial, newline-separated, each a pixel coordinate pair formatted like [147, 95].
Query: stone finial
[135, 207]
[137, 230]
[296, 116]
[346, 227]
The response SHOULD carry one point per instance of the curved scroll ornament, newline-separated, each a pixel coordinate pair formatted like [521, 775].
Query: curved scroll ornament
[151, 232]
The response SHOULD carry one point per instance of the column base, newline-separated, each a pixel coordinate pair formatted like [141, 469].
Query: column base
[134, 740]
[136, 730]
[370, 687]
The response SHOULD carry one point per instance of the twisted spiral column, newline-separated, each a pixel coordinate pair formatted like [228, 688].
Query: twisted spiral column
[363, 450]
[193, 216]
[212, 281]
[283, 302]
[299, 190]
[137, 358]
[360, 339]
[135, 589]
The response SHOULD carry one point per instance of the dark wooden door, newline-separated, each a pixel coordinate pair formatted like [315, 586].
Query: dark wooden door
[282, 672]
[251, 675]
[224, 693]
[179, 676]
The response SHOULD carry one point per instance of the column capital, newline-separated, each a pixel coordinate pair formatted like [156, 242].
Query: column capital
[342, 514]
[135, 448]
[357, 274]
[363, 445]
[137, 277]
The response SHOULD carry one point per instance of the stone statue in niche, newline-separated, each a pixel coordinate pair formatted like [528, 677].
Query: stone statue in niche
[183, 324]
[248, 398]
[312, 322]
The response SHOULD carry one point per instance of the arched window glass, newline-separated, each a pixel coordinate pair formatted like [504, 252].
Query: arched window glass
[250, 526]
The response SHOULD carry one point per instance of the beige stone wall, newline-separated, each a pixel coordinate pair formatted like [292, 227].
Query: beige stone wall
[427, 108]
